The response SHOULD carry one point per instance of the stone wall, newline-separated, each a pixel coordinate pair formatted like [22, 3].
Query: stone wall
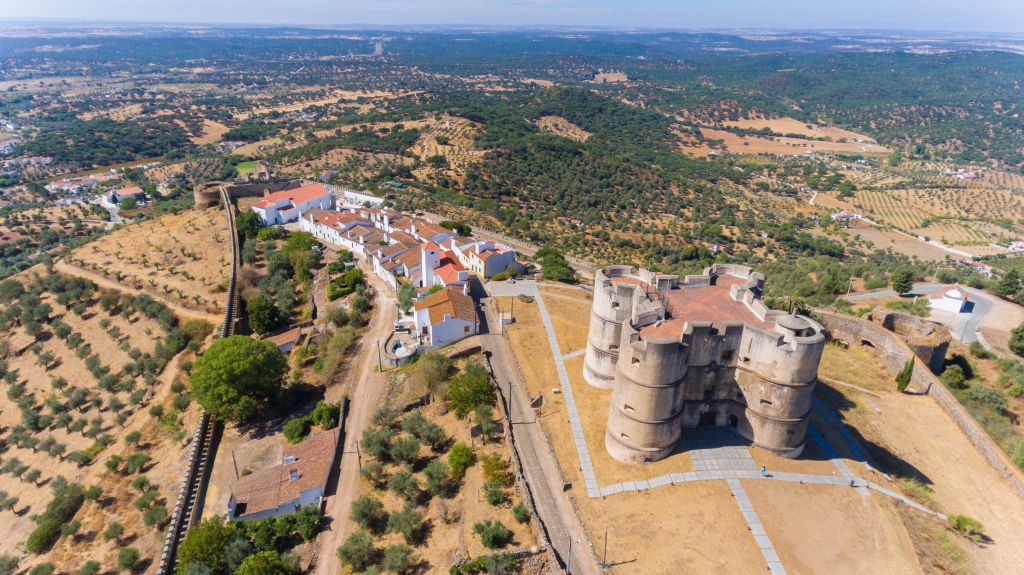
[895, 353]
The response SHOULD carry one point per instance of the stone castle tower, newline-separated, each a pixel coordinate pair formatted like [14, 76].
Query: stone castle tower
[702, 352]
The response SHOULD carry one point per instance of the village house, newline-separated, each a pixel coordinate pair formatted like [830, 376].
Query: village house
[287, 205]
[445, 317]
[485, 259]
[299, 480]
[286, 340]
[121, 194]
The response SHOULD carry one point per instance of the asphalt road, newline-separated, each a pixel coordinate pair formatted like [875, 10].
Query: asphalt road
[564, 530]
[965, 328]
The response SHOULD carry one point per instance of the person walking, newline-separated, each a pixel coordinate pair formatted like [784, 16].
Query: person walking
[764, 471]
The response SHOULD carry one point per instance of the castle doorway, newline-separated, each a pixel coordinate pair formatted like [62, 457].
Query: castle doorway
[707, 418]
[734, 421]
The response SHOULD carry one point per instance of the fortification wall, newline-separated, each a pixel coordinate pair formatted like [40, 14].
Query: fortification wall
[894, 354]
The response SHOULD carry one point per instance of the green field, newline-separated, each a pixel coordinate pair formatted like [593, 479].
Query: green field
[245, 167]
[1007, 264]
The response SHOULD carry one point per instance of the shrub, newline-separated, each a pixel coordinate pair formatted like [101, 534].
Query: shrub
[376, 442]
[374, 473]
[296, 429]
[404, 485]
[460, 458]
[43, 569]
[326, 415]
[904, 376]
[408, 522]
[156, 517]
[494, 493]
[204, 544]
[470, 389]
[432, 368]
[492, 533]
[358, 551]
[62, 508]
[398, 558]
[953, 376]
[991, 398]
[405, 450]
[368, 512]
[521, 512]
[127, 558]
[496, 470]
[89, 568]
[114, 530]
[979, 351]
[968, 527]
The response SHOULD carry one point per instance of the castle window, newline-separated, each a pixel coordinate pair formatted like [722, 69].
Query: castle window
[727, 356]
[635, 361]
[623, 436]
[628, 407]
[615, 305]
[765, 402]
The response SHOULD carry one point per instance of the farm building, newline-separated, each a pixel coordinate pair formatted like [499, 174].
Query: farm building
[287, 205]
[286, 340]
[299, 480]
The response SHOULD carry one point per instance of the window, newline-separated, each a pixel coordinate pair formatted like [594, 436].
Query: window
[293, 475]
[289, 459]
[727, 356]
[623, 436]
[465, 329]
[628, 407]
[765, 402]
[635, 360]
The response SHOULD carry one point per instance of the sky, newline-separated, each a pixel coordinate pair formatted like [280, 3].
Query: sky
[1002, 16]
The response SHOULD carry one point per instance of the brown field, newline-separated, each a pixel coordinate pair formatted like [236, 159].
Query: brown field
[609, 77]
[460, 150]
[181, 258]
[335, 97]
[918, 432]
[786, 146]
[559, 126]
[794, 126]
[119, 113]
[162, 172]
[366, 163]
[253, 148]
[212, 131]
[882, 239]
[164, 450]
[644, 529]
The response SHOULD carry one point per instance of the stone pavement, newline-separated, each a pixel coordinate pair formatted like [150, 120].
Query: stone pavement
[756, 529]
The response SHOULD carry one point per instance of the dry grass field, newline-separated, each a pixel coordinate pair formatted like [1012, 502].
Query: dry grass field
[610, 77]
[212, 131]
[559, 126]
[458, 135]
[786, 146]
[181, 258]
[794, 126]
[118, 113]
[54, 375]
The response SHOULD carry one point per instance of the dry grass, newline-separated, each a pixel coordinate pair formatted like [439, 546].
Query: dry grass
[786, 146]
[559, 126]
[794, 126]
[180, 258]
[212, 131]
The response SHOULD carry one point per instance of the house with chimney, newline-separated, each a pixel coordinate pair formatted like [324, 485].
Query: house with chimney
[287, 205]
[445, 317]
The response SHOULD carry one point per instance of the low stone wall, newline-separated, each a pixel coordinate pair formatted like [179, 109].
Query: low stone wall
[895, 353]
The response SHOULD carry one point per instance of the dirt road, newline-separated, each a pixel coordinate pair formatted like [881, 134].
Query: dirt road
[539, 466]
[366, 385]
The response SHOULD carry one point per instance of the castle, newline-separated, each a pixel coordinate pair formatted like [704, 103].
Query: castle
[704, 351]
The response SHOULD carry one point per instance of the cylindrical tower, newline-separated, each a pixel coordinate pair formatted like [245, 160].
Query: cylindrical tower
[613, 304]
[647, 401]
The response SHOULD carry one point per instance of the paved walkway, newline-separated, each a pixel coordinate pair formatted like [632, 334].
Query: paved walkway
[576, 353]
[756, 529]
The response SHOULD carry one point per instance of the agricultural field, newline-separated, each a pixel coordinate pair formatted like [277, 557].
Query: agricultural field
[92, 415]
[451, 138]
[794, 126]
[180, 258]
[786, 146]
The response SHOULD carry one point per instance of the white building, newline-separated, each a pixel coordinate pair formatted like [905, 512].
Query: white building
[354, 198]
[950, 298]
[346, 229]
[484, 258]
[445, 317]
[287, 205]
[299, 480]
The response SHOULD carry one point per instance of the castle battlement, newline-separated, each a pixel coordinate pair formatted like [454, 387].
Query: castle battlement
[702, 351]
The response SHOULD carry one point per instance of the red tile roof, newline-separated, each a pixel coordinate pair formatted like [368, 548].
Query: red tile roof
[689, 304]
[294, 195]
[451, 302]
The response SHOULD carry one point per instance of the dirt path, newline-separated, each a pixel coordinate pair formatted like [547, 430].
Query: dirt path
[366, 386]
[183, 312]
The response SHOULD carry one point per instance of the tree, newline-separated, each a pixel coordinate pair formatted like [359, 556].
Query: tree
[432, 368]
[406, 297]
[1016, 343]
[484, 417]
[470, 389]
[326, 414]
[368, 512]
[436, 473]
[404, 484]
[8, 564]
[43, 569]
[296, 429]
[264, 316]
[1009, 284]
[405, 450]
[521, 512]
[904, 376]
[493, 533]
[264, 563]
[204, 544]
[237, 376]
[903, 281]
[114, 530]
[408, 522]
[248, 224]
[398, 558]
[358, 551]
[459, 459]
[89, 568]
[127, 558]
